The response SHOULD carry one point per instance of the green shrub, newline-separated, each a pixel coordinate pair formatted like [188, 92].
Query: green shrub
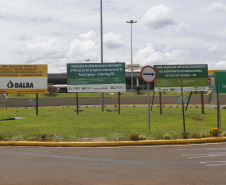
[134, 137]
[214, 132]
[185, 134]
[43, 136]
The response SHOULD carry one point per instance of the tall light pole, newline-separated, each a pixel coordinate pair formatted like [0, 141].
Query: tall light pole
[101, 50]
[131, 22]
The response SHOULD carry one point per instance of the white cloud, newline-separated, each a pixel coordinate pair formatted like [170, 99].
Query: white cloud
[149, 56]
[158, 17]
[91, 35]
[219, 65]
[82, 49]
[215, 7]
[57, 54]
[41, 52]
[183, 26]
[112, 40]
[214, 49]
[222, 33]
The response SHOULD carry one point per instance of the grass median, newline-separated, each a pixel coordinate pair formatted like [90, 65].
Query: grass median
[63, 124]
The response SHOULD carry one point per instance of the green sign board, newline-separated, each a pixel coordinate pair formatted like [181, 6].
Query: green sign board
[96, 77]
[194, 77]
[221, 77]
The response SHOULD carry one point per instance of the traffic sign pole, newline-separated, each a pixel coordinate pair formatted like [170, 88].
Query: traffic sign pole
[148, 75]
[149, 117]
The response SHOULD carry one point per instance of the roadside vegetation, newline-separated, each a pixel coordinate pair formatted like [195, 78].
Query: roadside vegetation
[63, 123]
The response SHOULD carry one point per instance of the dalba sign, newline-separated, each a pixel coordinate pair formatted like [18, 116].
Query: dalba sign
[23, 79]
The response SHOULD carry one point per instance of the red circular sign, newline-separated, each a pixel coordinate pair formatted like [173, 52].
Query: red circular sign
[148, 74]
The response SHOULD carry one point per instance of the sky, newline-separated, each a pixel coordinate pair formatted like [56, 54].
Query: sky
[167, 32]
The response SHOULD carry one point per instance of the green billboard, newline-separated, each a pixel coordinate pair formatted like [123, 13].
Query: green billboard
[221, 77]
[96, 77]
[194, 77]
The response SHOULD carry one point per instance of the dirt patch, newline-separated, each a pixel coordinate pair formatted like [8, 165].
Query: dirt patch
[92, 139]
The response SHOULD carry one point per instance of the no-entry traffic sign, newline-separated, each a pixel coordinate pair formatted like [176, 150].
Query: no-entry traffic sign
[148, 74]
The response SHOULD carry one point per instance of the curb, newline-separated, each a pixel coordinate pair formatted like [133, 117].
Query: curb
[112, 143]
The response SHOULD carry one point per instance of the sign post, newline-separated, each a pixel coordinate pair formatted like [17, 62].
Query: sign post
[182, 96]
[36, 104]
[148, 75]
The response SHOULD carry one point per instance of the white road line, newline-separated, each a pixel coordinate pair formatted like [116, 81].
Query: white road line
[204, 155]
[200, 149]
[214, 163]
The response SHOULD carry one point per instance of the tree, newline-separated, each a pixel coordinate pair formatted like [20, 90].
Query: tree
[51, 88]
[138, 88]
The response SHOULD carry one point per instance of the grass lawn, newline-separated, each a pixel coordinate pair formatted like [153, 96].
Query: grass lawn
[64, 124]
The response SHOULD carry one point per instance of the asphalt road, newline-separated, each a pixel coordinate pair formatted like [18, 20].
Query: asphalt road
[175, 164]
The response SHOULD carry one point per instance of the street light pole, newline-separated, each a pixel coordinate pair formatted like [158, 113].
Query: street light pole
[101, 50]
[131, 22]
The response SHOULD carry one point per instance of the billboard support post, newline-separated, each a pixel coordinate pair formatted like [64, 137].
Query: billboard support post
[152, 100]
[160, 102]
[36, 104]
[119, 102]
[182, 103]
[77, 103]
[188, 101]
[202, 102]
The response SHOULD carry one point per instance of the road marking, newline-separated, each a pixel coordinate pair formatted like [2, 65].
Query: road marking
[214, 163]
[82, 158]
[212, 154]
[200, 149]
[218, 152]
